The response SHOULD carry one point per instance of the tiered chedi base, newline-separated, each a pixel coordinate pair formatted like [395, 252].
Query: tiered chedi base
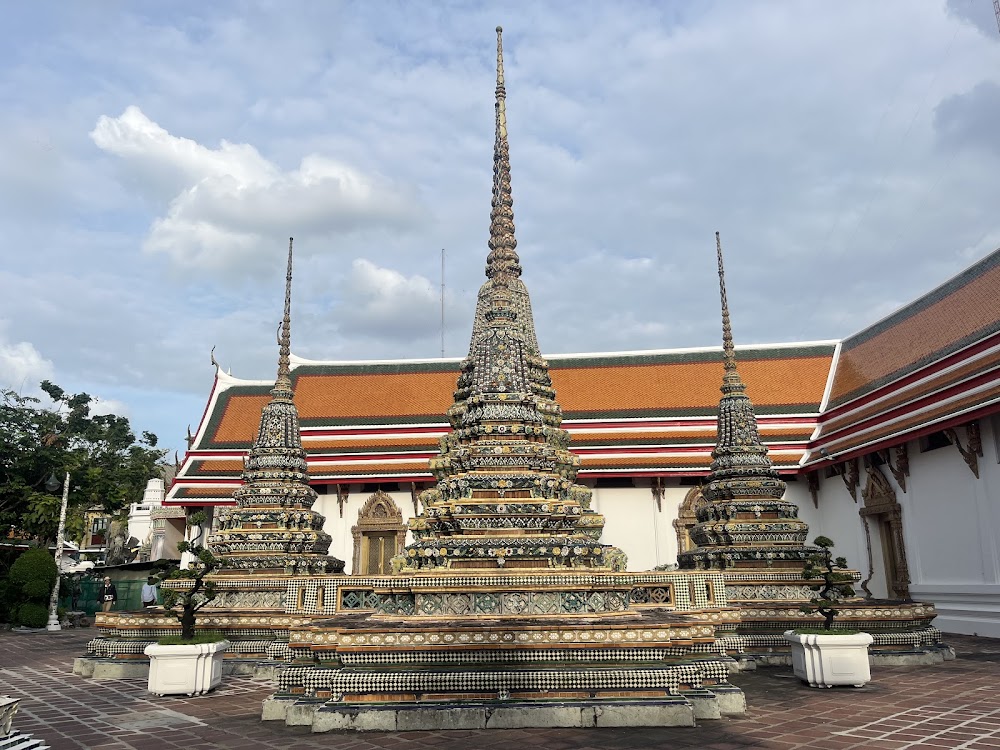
[770, 602]
[757, 545]
[558, 649]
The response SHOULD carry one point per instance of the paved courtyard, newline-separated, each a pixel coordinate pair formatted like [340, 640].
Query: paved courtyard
[952, 705]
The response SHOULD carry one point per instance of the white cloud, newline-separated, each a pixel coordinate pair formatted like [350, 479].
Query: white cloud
[230, 204]
[101, 406]
[22, 367]
[382, 301]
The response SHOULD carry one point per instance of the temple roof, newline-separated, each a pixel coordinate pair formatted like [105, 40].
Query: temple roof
[932, 364]
[635, 413]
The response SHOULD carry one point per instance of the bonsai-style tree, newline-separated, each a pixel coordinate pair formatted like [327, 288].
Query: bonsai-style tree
[834, 585]
[200, 592]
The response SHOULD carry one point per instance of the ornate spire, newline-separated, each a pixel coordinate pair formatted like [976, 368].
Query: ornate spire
[503, 255]
[745, 519]
[739, 454]
[728, 350]
[506, 495]
[273, 526]
[283, 381]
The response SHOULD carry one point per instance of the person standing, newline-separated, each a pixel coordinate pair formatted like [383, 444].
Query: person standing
[108, 595]
[149, 592]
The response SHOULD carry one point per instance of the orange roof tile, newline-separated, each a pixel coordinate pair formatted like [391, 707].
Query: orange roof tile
[952, 316]
[779, 379]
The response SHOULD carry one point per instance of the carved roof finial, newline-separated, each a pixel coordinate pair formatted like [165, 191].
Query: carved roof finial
[731, 382]
[285, 337]
[503, 256]
[728, 350]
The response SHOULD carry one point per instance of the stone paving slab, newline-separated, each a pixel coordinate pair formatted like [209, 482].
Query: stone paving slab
[951, 705]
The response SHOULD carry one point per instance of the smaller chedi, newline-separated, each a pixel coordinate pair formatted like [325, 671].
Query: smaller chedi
[273, 527]
[750, 533]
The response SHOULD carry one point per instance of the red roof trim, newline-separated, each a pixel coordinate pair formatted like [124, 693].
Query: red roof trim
[966, 385]
[921, 374]
[906, 437]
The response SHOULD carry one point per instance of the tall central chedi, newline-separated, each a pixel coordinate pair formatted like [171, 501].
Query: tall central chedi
[506, 609]
[506, 495]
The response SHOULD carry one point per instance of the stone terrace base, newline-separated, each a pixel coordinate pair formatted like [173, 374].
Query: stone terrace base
[902, 631]
[671, 711]
[653, 667]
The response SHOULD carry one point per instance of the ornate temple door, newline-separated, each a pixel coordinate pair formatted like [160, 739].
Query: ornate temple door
[378, 536]
[884, 517]
[379, 547]
[886, 532]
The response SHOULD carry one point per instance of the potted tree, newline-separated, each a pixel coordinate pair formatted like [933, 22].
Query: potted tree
[824, 657]
[191, 663]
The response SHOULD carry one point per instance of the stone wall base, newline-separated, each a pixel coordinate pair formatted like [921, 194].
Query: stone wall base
[327, 716]
[122, 669]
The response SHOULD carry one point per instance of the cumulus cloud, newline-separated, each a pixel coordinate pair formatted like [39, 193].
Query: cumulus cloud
[22, 366]
[634, 136]
[230, 204]
[101, 406]
[384, 302]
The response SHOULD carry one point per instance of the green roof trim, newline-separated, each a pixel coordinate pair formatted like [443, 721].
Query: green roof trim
[375, 368]
[699, 357]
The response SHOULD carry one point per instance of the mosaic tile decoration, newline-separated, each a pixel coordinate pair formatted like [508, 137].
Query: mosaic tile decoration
[569, 656]
[443, 594]
[273, 526]
[668, 679]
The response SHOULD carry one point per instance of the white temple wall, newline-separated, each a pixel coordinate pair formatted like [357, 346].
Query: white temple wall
[666, 532]
[339, 529]
[837, 517]
[632, 523]
[951, 522]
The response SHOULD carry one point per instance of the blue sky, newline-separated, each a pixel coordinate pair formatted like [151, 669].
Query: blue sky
[156, 156]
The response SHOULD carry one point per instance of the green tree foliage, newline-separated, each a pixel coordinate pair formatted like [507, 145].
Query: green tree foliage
[33, 615]
[109, 466]
[29, 584]
[834, 585]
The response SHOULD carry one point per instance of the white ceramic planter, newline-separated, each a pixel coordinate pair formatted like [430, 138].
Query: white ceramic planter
[189, 669]
[828, 660]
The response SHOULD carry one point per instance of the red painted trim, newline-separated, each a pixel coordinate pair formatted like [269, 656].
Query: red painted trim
[929, 400]
[387, 430]
[920, 374]
[916, 434]
[570, 424]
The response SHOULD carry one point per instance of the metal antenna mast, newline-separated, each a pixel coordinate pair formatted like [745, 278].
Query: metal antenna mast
[996, 9]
